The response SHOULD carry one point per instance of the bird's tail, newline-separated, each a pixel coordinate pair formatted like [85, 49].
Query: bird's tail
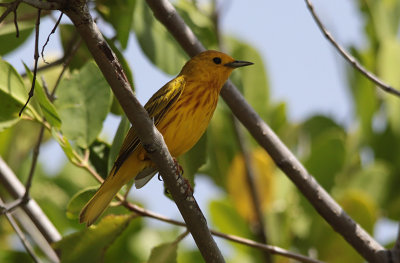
[102, 198]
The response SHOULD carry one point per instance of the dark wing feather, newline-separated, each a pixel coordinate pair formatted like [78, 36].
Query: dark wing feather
[157, 107]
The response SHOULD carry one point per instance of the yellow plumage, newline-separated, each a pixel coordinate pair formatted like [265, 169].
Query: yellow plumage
[181, 110]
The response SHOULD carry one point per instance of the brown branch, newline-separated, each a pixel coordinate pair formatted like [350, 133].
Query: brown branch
[52, 32]
[349, 58]
[36, 58]
[47, 5]
[316, 195]
[395, 251]
[150, 138]
[11, 7]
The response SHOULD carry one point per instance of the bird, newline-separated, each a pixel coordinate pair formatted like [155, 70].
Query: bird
[181, 110]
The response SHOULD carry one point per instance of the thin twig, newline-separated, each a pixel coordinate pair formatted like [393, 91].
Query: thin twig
[48, 37]
[268, 248]
[36, 58]
[181, 237]
[35, 156]
[11, 7]
[16, 23]
[357, 65]
[147, 213]
[20, 234]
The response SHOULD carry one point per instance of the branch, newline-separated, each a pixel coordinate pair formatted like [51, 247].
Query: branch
[151, 139]
[20, 234]
[15, 188]
[11, 7]
[316, 195]
[395, 251]
[36, 58]
[46, 5]
[349, 58]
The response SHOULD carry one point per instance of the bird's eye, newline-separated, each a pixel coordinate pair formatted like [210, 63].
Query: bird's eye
[217, 60]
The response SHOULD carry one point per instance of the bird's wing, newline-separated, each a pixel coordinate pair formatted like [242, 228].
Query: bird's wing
[157, 107]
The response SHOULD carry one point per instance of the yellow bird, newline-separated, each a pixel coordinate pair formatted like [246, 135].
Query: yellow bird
[181, 110]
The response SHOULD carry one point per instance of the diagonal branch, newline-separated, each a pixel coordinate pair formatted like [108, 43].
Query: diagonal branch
[20, 234]
[349, 58]
[324, 204]
[150, 138]
[16, 189]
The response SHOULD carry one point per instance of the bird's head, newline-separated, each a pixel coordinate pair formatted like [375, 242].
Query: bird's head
[212, 66]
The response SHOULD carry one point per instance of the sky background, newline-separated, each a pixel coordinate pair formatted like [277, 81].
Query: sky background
[302, 67]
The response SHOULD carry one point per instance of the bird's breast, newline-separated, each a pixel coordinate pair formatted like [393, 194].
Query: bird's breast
[188, 119]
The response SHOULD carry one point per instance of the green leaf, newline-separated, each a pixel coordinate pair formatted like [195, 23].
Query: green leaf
[199, 21]
[90, 244]
[164, 253]
[69, 37]
[252, 80]
[77, 202]
[363, 91]
[120, 15]
[156, 42]
[318, 125]
[47, 107]
[220, 146]
[8, 39]
[83, 103]
[119, 137]
[99, 156]
[327, 157]
[227, 220]
[13, 96]
[194, 159]
[374, 179]
[388, 62]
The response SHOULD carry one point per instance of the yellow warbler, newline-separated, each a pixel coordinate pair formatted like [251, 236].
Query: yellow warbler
[181, 111]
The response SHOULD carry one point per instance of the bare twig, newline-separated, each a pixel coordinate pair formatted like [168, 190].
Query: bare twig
[11, 7]
[147, 213]
[317, 196]
[357, 65]
[150, 137]
[36, 58]
[35, 156]
[20, 234]
[16, 23]
[268, 248]
[48, 37]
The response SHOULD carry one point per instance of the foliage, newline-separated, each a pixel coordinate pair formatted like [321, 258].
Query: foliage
[366, 187]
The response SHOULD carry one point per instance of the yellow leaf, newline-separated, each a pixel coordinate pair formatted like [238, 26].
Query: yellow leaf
[238, 187]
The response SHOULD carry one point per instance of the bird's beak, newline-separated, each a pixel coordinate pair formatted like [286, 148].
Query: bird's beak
[238, 63]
